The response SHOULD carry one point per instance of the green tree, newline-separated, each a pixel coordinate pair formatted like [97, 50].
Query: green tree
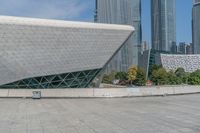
[132, 73]
[185, 78]
[173, 79]
[153, 68]
[160, 76]
[121, 76]
[194, 78]
[140, 78]
[180, 72]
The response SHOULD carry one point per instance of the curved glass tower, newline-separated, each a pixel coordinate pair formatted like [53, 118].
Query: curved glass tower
[163, 20]
[127, 12]
[195, 26]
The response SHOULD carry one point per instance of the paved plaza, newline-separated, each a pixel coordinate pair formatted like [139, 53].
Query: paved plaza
[174, 114]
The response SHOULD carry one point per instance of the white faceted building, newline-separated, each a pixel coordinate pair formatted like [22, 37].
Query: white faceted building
[39, 53]
[189, 63]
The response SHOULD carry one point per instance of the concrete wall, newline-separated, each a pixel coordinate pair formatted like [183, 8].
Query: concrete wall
[113, 92]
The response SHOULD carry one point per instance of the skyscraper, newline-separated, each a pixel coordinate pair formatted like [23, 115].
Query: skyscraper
[195, 26]
[163, 20]
[182, 48]
[189, 49]
[127, 12]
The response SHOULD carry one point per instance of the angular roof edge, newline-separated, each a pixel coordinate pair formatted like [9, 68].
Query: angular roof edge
[61, 23]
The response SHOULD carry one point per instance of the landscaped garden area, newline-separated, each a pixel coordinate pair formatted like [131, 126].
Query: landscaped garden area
[157, 76]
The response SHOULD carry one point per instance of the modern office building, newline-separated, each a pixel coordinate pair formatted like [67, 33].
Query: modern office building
[189, 49]
[174, 49]
[126, 12]
[182, 48]
[195, 26]
[144, 46]
[163, 20]
[39, 53]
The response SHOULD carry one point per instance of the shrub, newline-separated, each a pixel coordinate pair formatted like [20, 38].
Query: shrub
[132, 73]
[160, 76]
[121, 76]
[153, 68]
[173, 79]
[108, 78]
[140, 78]
[180, 72]
[194, 78]
[105, 79]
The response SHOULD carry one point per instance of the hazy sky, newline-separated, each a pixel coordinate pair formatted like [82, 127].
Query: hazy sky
[83, 10]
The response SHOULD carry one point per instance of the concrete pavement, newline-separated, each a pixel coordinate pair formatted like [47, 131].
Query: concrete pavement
[174, 114]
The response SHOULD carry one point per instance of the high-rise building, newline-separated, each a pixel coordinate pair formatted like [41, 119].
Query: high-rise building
[182, 48]
[127, 12]
[144, 46]
[189, 49]
[195, 26]
[163, 18]
[174, 48]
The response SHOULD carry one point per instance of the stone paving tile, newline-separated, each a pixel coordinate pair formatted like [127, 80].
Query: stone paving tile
[175, 114]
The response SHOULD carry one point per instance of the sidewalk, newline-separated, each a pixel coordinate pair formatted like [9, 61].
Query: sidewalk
[101, 93]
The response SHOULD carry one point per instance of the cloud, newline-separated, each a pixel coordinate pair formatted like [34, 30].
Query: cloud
[55, 9]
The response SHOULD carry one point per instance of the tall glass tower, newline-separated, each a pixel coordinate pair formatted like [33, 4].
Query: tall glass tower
[163, 20]
[127, 12]
[195, 26]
